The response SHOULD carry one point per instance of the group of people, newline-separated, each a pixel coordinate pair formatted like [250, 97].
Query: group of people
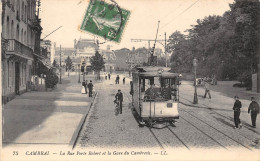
[107, 75]
[87, 88]
[118, 78]
[253, 109]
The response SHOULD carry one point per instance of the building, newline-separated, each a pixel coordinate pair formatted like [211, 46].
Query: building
[50, 51]
[21, 31]
[63, 53]
[109, 58]
[85, 49]
[120, 62]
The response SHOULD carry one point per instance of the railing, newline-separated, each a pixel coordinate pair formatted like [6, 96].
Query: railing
[16, 46]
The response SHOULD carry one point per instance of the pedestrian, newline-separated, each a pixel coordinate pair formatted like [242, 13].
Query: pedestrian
[119, 98]
[254, 108]
[83, 89]
[90, 88]
[236, 108]
[207, 90]
[124, 80]
[117, 78]
[86, 85]
[109, 76]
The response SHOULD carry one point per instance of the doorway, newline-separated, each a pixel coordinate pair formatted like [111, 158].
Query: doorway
[17, 77]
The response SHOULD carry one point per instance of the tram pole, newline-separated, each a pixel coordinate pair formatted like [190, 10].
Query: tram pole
[60, 65]
[195, 99]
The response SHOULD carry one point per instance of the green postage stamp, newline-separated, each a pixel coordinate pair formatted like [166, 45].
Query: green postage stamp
[105, 20]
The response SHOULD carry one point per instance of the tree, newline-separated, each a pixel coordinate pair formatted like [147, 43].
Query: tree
[68, 63]
[97, 63]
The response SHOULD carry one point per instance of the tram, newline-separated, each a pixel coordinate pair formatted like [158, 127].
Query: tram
[155, 95]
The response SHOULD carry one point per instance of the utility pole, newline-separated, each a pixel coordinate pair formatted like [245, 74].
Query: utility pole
[60, 65]
[152, 53]
[165, 49]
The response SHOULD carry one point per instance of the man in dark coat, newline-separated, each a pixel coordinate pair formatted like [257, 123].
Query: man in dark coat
[109, 76]
[254, 108]
[90, 88]
[119, 97]
[236, 108]
[124, 80]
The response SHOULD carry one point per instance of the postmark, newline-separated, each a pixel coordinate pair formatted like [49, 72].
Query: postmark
[105, 20]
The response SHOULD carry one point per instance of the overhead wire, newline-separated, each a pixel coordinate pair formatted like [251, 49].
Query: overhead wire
[180, 14]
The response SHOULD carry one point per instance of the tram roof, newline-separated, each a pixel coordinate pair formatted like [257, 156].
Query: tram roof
[152, 71]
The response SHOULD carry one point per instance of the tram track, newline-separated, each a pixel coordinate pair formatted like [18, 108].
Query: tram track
[223, 116]
[245, 146]
[204, 133]
[178, 137]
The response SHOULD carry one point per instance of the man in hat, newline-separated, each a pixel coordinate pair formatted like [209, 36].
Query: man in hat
[236, 108]
[207, 90]
[90, 88]
[119, 97]
[254, 108]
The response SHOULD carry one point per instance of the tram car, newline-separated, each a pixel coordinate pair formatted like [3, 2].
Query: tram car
[155, 95]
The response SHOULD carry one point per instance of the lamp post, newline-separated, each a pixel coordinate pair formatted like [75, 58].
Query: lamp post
[60, 64]
[79, 73]
[195, 63]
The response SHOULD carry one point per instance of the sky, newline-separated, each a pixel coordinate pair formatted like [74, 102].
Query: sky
[142, 23]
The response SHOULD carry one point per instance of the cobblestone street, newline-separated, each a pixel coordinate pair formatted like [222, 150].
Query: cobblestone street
[205, 126]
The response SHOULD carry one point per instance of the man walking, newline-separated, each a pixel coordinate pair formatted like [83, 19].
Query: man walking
[124, 80]
[254, 108]
[236, 108]
[206, 86]
[90, 88]
[119, 97]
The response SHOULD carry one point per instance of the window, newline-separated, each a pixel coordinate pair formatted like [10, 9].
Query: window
[25, 13]
[22, 36]
[17, 32]
[18, 9]
[25, 41]
[22, 11]
[12, 30]
[7, 27]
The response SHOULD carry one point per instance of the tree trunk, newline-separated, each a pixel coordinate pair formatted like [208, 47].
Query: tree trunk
[68, 73]
[98, 75]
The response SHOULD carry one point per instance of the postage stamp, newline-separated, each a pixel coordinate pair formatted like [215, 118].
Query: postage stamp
[105, 20]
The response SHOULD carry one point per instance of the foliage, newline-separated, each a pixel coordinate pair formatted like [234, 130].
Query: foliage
[51, 79]
[224, 45]
[97, 63]
[68, 63]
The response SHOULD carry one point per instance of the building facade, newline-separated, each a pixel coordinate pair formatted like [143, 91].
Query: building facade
[20, 36]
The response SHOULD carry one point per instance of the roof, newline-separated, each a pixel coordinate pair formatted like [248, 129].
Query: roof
[85, 43]
[155, 71]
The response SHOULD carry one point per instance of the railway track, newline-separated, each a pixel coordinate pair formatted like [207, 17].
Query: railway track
[223, 116]
[245, 146]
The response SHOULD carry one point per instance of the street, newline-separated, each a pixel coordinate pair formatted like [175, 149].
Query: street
[208, 125]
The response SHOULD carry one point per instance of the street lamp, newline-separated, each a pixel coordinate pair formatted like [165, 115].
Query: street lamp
[195, 63]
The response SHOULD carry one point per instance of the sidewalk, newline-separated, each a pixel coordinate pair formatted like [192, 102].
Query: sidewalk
[46, 117]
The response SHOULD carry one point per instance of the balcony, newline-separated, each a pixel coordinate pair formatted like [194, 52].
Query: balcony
[19, 49]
